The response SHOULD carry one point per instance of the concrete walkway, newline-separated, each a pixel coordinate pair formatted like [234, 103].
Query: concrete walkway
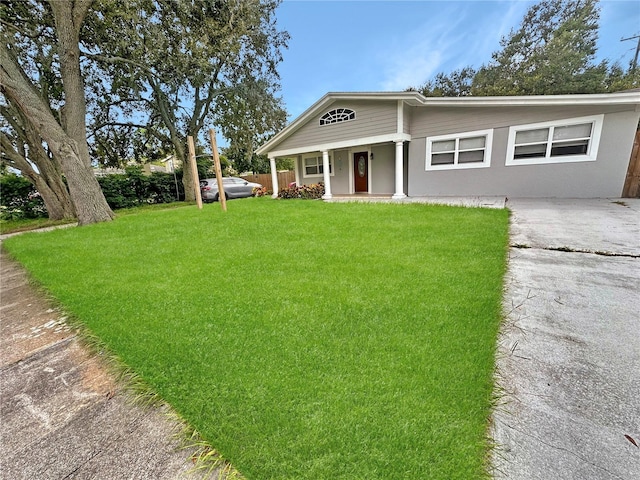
[61, 415]
[569, 358]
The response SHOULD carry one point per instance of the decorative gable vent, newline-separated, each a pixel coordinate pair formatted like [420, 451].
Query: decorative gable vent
[338, 115]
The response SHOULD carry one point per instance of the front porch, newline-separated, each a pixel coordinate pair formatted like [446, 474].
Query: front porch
[372, 171]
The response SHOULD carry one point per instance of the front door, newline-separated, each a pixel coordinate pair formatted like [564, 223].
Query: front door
[361, 171]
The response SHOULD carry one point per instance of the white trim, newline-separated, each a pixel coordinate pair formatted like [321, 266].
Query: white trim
[319, 161]
[488, 134]
[400, 121]
[352, 167]
[356, 142]
[333, 112]
[591, 155]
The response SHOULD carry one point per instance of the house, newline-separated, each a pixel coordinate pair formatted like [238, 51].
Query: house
[404, 144]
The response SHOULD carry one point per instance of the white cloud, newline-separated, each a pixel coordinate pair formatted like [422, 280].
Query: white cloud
[462, 34]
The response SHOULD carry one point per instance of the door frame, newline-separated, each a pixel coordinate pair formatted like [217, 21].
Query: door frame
[352, 179]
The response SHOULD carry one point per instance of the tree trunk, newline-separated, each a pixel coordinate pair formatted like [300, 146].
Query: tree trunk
[187, 176]
[69, 16]
[85, 191]
[51, 187]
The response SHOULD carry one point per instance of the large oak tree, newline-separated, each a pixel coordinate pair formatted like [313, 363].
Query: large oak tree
[63, 130]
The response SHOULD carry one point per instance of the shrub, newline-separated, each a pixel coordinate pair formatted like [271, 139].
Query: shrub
[133, 188]
[19, 198]
[307, 192]
[260, 191]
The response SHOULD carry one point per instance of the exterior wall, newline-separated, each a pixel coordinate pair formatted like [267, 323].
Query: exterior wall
[383, 168]
[430, 121]
[372, 118]
[601, 178]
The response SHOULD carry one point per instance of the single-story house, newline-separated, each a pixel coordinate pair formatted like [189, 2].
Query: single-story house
[405, 144]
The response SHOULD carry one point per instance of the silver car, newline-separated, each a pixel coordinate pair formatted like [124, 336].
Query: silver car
[234, 187]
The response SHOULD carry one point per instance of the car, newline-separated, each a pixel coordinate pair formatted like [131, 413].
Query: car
[234, 187]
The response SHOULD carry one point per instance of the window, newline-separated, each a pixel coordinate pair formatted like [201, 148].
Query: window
[338, 115]
[313, 166]
[572, 140]
[461, 150]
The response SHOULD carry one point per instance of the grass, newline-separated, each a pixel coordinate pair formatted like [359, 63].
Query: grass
[303, 340]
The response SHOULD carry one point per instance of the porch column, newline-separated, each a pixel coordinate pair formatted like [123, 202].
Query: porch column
[399, 172]
[327, 175]
[274, 177]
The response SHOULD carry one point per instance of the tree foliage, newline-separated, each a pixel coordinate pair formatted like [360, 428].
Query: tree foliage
[176, 67]
[551, 52]
[455, 84]
[146, 73]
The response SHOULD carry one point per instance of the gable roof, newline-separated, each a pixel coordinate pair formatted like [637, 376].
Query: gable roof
[413, 98]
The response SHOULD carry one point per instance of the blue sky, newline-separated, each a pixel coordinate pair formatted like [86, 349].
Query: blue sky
[375, 45]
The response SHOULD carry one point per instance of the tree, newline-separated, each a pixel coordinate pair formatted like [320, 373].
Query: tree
[22, 149]
[455, 84]
[182, 65]
[551, 53]
[54, 28]
[618, 79]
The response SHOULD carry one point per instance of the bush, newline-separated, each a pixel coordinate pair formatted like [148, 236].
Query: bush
[19, 198]
[260, 191]
[307, 192]
[133, 188]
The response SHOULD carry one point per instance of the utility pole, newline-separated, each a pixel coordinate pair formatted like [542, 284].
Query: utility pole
[635, 59]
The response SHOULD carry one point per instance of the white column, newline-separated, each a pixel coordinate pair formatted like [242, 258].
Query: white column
[327, 175]
[274, 177]
[399, 171]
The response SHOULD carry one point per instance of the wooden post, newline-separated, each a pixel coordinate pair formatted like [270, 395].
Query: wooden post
[194, 171]
[216, 163]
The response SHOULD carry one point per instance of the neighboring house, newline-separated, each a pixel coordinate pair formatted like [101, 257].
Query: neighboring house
[404, 144]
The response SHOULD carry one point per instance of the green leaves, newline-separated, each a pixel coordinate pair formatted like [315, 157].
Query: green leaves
[550, 53]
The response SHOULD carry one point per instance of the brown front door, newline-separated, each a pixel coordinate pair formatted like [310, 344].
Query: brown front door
[361, 171]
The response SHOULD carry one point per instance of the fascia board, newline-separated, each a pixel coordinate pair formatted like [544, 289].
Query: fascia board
[627, 98]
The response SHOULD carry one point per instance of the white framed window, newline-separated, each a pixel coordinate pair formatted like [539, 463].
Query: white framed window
[570, 140]
[459, 150]
[312, 166]
[337, 115]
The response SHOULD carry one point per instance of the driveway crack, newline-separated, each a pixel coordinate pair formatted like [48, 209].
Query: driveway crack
[603, 253]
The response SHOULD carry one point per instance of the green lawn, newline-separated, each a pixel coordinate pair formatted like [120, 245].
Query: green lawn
[304, 340]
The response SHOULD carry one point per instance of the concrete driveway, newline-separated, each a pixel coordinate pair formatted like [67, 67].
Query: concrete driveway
[569, 356]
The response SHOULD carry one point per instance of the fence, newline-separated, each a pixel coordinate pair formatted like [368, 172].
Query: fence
[632, 183]
[264, 179]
